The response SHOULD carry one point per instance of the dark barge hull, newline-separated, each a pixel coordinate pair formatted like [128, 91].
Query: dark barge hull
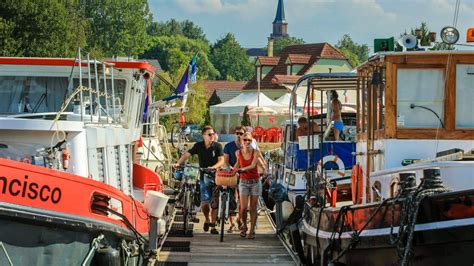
[444, 233]
[39, 237]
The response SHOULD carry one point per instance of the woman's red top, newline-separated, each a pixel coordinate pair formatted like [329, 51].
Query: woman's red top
[249, 174]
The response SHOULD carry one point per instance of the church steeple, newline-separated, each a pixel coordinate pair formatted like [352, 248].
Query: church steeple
[280, 26]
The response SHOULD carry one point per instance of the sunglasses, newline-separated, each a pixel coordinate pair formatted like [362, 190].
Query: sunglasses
[211, 134]
[247, 140]
[239, 133]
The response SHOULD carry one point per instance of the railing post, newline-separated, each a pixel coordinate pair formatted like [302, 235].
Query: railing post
[104, 67]
[97, 89]
[90, 85]
[81, 98]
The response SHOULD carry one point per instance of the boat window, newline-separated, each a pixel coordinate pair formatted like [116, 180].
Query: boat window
[464, 96]
[32, 94]
[420, 98]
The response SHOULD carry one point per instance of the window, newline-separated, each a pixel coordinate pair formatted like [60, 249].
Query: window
[464, 96]
[420, 98]
[32, 94]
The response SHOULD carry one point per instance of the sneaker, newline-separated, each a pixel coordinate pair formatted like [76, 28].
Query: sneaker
[214, 231]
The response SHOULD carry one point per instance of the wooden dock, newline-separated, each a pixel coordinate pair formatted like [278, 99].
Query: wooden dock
[206, 249]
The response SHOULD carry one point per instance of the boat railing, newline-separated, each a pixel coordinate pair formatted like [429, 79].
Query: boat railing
[95, 93]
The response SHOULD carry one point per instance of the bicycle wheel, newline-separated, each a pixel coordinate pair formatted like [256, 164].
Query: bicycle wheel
[176, 136]
[223, 204]
[186, 211]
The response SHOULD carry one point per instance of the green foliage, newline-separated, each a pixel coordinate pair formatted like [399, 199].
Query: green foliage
[175, 52]
[353, 58]
[356, 53]
[280, 43]
[171, 27]
[118, 27]
[425, 41]
[230, 59]
[40, 28]
[8, 42]
[246, 118]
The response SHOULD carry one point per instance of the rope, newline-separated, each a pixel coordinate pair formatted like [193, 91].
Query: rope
[410, 205]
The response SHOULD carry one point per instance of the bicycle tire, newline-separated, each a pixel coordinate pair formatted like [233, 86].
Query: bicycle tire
[185, 211]
[176, 136]
[224, 199]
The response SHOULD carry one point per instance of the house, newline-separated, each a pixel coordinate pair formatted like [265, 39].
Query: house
[218, 91]
[277, 74]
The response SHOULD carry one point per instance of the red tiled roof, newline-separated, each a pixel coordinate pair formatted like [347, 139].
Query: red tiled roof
[315, 51]
[280, 79]
[211, 85]
[299, 58]
[268, 60]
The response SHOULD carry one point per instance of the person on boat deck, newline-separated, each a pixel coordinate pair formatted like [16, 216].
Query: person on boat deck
[303, 129]
[210, 156]
[336, 117]
[250, 186]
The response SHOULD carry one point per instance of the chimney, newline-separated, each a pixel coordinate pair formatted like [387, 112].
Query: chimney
[270, 47]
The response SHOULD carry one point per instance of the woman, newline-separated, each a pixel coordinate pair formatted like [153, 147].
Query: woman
[250, 187]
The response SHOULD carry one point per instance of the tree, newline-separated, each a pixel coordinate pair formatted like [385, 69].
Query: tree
[9, 45]
[40, 28]
[185, 28]
[280, 43]
[246, 118]
[230, 59]
[118, 28]
[175, 52]
[355, 53]
[195, 115]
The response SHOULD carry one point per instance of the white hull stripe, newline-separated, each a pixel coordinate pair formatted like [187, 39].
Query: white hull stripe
[308, 229]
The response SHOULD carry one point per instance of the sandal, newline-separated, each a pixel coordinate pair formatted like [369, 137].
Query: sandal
[251, 235]
[231, 228]
[206, 226]
[243, 231]
[214, 231]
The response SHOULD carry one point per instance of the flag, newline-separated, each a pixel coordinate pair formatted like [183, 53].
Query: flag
[147, 100]
[193, 65]
[183, 86]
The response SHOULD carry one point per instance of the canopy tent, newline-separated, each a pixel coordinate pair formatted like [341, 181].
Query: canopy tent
[227, 115]
[286, 98]
[237, 104]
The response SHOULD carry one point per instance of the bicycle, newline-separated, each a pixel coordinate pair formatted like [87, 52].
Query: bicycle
[224, 180]
[179, 135]
[187, 174]
[189, 177]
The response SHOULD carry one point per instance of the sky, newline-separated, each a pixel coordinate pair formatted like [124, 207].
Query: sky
[316, 20]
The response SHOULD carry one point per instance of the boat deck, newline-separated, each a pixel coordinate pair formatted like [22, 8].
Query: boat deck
[205, 249]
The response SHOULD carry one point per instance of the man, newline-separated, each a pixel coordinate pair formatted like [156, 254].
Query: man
[303, 129]
[230, 160]
[336, 117]
[210, 156]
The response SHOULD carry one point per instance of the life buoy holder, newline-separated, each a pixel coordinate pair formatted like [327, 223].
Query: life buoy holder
[335, 159]
[357, 184]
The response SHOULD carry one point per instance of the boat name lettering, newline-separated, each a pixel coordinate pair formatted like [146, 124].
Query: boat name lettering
[21, 188]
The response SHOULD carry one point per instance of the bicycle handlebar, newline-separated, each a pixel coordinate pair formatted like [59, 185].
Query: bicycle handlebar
[203, 169]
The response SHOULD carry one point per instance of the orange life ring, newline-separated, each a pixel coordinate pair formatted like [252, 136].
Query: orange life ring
[357, 184]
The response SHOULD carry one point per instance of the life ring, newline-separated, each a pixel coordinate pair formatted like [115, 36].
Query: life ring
[357, 184]
[335, 159]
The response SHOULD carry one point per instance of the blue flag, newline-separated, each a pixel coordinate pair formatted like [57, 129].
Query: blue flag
[193, 65]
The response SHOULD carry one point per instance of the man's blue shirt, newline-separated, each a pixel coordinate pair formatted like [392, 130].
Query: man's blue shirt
[230, 149]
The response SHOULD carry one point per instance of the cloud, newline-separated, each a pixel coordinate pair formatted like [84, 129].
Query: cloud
[219, 7]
